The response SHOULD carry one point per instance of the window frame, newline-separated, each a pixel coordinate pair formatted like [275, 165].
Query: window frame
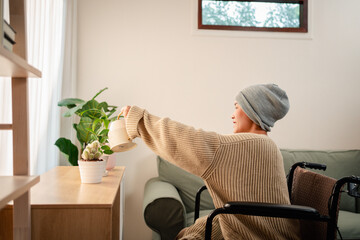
[303, 18]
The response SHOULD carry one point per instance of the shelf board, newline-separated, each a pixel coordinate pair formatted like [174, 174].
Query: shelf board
[12, 187]
[14, 66]
[5, 126]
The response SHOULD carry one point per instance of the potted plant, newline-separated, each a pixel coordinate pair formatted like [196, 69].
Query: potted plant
[91, 166]
[93, 125]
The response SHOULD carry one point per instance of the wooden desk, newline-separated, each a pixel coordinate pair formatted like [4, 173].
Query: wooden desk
[64, 208]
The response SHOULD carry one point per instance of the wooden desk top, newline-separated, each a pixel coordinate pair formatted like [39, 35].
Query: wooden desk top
[14, 186]
[61, 187]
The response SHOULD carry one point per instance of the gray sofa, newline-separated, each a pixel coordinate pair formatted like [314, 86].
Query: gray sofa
[168, 204]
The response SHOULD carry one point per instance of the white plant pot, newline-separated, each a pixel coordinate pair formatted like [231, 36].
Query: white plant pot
[91, 171]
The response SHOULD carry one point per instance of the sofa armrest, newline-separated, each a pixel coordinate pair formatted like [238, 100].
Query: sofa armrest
[163, 209]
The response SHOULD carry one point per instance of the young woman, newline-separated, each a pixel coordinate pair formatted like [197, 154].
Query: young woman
[244, 166]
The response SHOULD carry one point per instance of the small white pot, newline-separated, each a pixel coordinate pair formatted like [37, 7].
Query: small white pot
[91, 171]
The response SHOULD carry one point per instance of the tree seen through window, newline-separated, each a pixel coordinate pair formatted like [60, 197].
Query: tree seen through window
[251, 14]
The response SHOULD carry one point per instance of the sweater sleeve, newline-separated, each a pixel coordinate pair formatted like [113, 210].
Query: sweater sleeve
[189, 148]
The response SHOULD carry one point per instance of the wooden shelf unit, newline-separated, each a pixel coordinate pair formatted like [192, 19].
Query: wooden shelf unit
[14, 64]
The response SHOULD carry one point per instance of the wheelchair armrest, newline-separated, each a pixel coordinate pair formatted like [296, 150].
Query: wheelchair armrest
[271, 210]
[266, 210]
[163, 209]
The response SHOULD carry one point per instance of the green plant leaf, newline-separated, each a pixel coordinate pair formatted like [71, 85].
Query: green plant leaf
[103, 114]
[71, 106]
[91, 109]
[106, 123]
[99, 93]
[104, 132]
[92, 113]
[70, 102]
[102, 139]
[103, 105]
[69, 150]
[77, 134]
[93, 135]
[96, 124]
[73, 110]
[105, 147]
[108, 152]
[82, 129]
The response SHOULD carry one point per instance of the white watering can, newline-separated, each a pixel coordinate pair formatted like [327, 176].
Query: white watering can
[118, 138]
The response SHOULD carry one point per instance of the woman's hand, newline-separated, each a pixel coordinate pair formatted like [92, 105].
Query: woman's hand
[125, 110]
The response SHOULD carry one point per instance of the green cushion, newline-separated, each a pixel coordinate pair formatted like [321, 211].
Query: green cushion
[339, 164]
[349, 225]
[186, 183]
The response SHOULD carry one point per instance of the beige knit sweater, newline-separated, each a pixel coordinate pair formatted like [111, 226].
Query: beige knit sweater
[240, 167]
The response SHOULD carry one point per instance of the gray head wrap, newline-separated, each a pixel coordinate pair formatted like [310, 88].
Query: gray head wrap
[264, 104]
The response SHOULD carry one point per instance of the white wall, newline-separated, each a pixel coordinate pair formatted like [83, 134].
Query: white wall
[149, 54]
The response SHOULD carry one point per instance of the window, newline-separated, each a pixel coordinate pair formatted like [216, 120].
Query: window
[253, 15]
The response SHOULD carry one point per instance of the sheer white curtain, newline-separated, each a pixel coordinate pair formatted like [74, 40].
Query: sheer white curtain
[47, 38]
[6, 149]
[69, 71]
[6, 166]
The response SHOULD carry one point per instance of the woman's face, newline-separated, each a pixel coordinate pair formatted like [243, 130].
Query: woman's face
[242, 123]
